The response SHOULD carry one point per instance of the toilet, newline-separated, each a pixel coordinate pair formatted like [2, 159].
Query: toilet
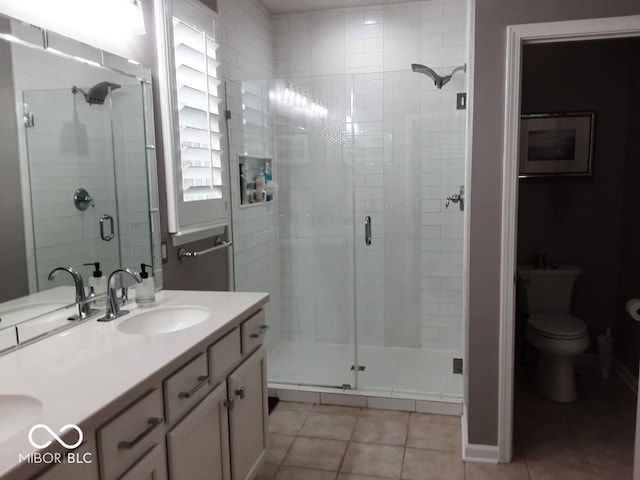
[558, 335]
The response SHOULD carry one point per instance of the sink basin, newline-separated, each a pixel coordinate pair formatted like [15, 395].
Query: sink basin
[17, 412]
[163, 320]
[13, 315]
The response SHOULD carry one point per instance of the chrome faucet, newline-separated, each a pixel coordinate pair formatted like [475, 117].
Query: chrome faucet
[83, 301]
[113, 303]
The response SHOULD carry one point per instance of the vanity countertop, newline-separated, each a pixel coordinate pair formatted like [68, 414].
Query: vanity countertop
[80, 371]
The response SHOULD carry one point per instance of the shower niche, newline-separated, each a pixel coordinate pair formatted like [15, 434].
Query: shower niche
[257, 185]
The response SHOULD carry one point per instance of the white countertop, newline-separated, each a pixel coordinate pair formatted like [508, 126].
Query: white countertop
[81, 370]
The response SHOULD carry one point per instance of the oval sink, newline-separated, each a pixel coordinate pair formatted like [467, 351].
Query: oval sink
[163, 320]
[17, 412]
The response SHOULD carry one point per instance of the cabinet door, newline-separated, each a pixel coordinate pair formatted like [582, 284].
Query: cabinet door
[153, 466]
[199, 444]
[248, 417]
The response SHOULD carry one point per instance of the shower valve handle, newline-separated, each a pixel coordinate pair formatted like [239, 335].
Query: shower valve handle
[456, 198]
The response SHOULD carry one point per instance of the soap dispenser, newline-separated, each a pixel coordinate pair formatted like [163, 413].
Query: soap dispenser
[97, 281]
[146, 291]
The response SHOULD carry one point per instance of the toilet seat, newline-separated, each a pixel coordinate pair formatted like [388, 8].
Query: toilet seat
[561, 326]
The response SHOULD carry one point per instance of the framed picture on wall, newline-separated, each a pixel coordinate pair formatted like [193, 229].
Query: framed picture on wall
[557, 144]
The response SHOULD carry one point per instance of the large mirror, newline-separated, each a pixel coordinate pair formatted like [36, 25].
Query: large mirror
[77, 170]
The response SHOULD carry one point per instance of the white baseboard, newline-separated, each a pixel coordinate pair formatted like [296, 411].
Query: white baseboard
[625, 374]
[476, 453]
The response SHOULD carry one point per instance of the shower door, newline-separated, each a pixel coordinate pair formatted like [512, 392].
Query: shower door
[409, 149]
[298, 246]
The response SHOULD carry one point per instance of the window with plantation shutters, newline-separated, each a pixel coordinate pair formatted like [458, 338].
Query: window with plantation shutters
[195, 185]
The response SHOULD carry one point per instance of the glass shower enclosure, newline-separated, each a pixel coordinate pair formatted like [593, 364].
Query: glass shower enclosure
[347, 204]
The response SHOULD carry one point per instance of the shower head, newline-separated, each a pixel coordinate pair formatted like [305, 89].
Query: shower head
[438, 81]
[96, 94]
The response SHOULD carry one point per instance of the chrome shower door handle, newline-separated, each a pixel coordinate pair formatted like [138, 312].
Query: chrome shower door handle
[106, 237]
[367, 230]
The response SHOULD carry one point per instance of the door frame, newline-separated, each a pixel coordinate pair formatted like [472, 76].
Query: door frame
[517, 37]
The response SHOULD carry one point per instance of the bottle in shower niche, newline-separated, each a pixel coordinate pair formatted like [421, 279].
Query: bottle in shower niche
[268, 180]
[146, 291]
[243, 186]
[260, 194]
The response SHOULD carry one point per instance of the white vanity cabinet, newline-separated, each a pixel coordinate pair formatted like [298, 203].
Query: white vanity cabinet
[187, 405]
[224, 436]
[248, 415]
[198, 447]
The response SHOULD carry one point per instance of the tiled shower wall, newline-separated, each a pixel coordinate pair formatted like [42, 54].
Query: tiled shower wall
[243, 31]
[406, 141]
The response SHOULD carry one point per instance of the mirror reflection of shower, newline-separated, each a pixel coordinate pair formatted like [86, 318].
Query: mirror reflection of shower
[96, 94]
[438, 80]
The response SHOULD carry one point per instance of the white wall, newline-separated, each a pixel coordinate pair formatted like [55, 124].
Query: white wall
[425, 166]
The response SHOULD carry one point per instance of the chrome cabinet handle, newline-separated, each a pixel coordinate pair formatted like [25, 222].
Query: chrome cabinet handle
[261, 332]
[129, 444]
[202, 379]
[367, 230]
[105, 237]
[241, 392]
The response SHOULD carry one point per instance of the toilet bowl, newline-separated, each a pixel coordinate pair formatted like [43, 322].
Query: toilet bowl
[557, 335]
[559, 338]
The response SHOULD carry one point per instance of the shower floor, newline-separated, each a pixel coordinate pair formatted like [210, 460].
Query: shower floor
[401, 372]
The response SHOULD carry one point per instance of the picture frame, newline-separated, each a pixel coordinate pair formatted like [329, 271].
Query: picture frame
[557, 144]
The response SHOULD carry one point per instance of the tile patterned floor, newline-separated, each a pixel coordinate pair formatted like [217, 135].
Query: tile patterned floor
[590, 439]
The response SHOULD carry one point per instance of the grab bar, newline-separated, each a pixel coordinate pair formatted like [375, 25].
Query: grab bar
[220, 244]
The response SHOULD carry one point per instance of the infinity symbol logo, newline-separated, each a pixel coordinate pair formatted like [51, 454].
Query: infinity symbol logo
[67, 427]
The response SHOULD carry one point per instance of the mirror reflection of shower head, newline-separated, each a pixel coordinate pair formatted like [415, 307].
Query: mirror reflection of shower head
[96, 94]
[438, 81]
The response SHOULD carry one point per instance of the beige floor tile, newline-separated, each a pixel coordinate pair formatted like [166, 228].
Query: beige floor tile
[552, 470]
[386, 414]
[614, 472]
[432, 418]
[434, 436]
[318, 453]
[266, 472]
[297, 473]
[287, 422]
[278, 447]
[380, 430]
[377, 460]
[354, 476]
[305, 407]
[322, 425]
[422, 464]
[337, 409]
[503, 471]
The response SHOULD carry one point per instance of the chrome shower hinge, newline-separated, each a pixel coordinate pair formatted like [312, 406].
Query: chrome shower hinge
[457, 365]
[28, 117]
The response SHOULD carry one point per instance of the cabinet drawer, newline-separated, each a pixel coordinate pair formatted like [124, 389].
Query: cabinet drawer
[134, 432]
[186, 387]
[224, 355]
[253, 332]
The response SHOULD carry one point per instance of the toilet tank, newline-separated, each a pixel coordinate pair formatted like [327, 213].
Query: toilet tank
[546, 290]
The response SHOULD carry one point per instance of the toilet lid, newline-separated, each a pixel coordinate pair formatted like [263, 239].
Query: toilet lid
[558, 325]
